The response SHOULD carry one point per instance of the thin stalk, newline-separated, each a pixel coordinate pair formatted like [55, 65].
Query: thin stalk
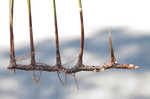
[58, 57]
[113, 59]
[31, 35]
[80, 57]
[12, 49]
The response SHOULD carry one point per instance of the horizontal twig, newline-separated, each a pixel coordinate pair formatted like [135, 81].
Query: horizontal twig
[75, 69]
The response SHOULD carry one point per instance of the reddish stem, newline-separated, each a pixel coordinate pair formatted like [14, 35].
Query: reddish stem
[80, 57]
[12, 49]
[31, 37]
[58, 57]
[113, 59]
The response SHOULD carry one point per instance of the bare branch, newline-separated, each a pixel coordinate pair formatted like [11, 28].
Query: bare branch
[58, 67]
[49, 68]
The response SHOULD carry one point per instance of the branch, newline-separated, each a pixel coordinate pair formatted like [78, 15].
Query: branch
[49, 68]
[58, 67]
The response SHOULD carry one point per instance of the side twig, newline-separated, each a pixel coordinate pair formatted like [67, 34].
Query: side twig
[112, 56]
[77, 67]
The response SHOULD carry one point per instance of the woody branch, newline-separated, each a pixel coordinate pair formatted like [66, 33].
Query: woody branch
[78, 68]
[49, 68]
[59, 67]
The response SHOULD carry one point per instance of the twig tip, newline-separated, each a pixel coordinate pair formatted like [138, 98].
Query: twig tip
[133, 66]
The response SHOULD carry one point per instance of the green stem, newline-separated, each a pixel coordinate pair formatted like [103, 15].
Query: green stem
[54, 6]
[80, 4]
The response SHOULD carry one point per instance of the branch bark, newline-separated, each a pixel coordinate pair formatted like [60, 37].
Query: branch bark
[49, 68]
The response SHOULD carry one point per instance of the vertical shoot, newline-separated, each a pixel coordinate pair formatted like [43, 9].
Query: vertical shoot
[31, 34]
[58, 57]
[80, 57]
[12, 49]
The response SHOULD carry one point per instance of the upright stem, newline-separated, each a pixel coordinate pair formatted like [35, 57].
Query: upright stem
[113, 59]
[58, 57]
[80, 57]
[31, 35]
[12, 51]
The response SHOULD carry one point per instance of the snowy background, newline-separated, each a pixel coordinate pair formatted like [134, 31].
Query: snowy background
[129, 22]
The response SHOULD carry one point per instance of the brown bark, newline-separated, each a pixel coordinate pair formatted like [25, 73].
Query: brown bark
[48, 68]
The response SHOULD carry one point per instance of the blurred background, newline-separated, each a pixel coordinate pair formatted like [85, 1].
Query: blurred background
[129, 22]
